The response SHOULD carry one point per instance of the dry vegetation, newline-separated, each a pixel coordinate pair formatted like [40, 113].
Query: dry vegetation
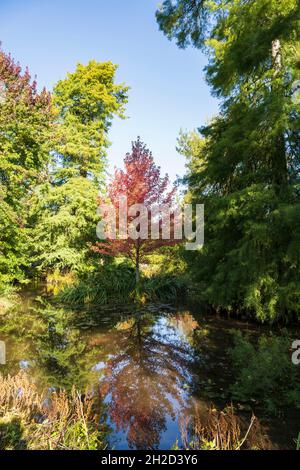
[54, 421]
[223, 430]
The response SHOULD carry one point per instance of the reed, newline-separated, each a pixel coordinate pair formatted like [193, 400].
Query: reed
[222, 430]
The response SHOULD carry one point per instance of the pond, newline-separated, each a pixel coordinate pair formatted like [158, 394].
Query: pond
[153, 368]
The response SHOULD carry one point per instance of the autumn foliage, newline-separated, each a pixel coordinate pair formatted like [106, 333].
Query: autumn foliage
[141, 183]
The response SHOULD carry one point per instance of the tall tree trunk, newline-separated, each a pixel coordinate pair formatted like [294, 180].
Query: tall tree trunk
[279, 161]
[277, 56]
[137, 263]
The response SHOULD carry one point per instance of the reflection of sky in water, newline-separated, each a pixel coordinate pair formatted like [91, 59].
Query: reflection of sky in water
[98, 367]
[24, 364]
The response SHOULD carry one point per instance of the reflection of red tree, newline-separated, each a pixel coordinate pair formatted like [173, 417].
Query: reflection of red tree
[185, 323]
[144, 379]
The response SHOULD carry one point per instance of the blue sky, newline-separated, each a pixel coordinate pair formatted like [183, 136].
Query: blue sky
[168, 89]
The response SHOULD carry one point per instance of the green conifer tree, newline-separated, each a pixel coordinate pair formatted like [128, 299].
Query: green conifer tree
[245, 168]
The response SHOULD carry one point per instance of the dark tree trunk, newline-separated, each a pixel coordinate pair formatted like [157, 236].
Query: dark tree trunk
[279, 166]
[137, 263]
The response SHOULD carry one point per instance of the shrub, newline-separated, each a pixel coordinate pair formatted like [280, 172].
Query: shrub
[264, 373]
[8, 297]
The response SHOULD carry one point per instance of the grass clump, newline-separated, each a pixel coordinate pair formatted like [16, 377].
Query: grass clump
[164, 288]
[116, 284]
[108, 284]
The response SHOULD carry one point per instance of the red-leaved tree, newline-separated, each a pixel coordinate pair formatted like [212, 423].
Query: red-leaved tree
[141, 183]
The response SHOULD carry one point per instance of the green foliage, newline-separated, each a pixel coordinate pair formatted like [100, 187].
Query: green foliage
[166, 260]
[8, 297]
[64, 220]
[115, 283]
[63, 216]
[7, 290]
[11, 434]
[264, 373]
[185, 20]
[298, 442]
[245, 165]
[80, 436]
[165, 288]
[52, 162]
[86, 102]
[12, 242]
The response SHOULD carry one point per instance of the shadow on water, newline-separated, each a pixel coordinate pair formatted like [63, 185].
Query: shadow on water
[153, 368]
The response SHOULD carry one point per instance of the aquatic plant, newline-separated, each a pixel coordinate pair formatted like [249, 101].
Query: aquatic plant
[57, 281]
[165, 288]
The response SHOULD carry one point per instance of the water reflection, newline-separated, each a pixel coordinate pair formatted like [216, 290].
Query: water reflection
[145, 378]
[153, 370]
[141, 365]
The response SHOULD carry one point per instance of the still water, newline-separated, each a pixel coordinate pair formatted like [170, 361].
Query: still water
[153, 368]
